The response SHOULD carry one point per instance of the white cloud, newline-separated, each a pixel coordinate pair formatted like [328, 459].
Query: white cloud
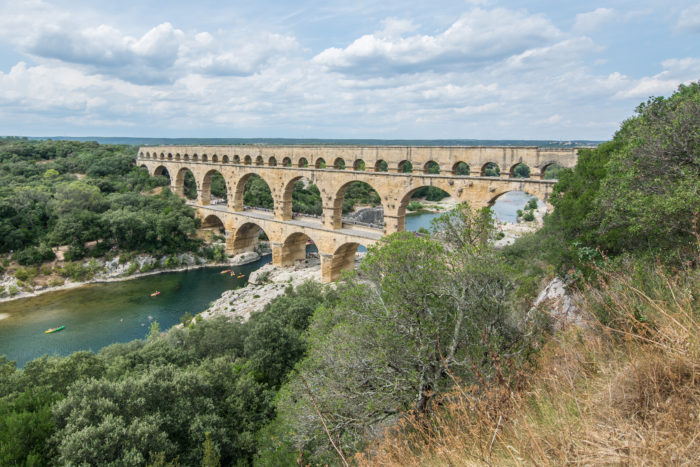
[591, 21]
[478, 37]
[689, 19]
[676, 72]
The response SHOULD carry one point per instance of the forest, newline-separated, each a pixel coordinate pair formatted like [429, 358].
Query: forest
[431, 353]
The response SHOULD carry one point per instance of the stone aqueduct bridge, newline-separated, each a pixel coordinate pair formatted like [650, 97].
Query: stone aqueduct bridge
[282, 166]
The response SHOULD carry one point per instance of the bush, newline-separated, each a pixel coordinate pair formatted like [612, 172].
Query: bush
[414, 206]
[528, 216]
[532, 204]
[34, 255]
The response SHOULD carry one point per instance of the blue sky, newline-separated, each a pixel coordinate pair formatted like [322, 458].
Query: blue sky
[482, 69]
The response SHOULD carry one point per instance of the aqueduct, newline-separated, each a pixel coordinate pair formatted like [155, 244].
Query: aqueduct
[333, 169]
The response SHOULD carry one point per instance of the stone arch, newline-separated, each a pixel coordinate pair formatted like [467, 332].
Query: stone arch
[381, 166]
[186, 157]
[246, 237]
[343, 259]
[494, 196]
[520, 170]
[431, 167]
[205, 158]
[294, 248]
[337, 212]
[339, 163]
[195, 158]
[170, 156]
[247, 160]
[162, 170]
[545, 173]
[286, 162]
[215, 158]
[177, 156]
[490, 169]
[206, 188]
[236, 159]
[303, 162]
[272, 162]
[406, 199]
[287, 201]
[320, 163]
[162, 156]
[212, 221]
[224, 159]
[461, 168]
[359, 164]
[186, 188]
[405, 166]
[237, 203]
[259, 160]
[141, 154]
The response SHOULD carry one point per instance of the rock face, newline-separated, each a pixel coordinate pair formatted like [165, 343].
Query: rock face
[245, 258]
[367, 215]
[557, 302]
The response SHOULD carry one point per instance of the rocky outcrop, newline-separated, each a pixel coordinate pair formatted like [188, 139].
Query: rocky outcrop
[557, 301]
[367, 216]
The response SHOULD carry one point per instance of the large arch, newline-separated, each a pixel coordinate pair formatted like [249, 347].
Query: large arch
[339, 163]
[320, 163]
[520, 170]
[247, 237]
[212, 221]
[490, 169]
[162, 171]
[258, 193]
[336, 219]
[461, 168]
[294, 248]
[186, 186]
[220, 193]
[343, 259]
[306, 201]
[406, 199]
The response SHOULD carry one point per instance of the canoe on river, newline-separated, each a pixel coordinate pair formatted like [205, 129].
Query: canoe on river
[49, 331]
[155, 294]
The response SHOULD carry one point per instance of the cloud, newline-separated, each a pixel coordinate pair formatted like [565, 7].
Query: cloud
[477, 38]
[689, 19]
[676, 72]
[591, 21]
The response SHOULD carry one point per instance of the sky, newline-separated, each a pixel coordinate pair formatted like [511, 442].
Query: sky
[471, 69]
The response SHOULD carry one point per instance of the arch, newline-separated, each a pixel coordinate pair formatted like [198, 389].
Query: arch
[247, 237]
[381, 166]
[186, 157]
[339, 163]
[303, 200]
[303, 162]
[236, 159]
[250, 191]
[224, 159]
[286, 162]
[247, 160]
[343, 259]
[371, 195]
[461, 168]
[186, 184]
[205, 158]
[551, 171]
[490, 169]
[359, 164]
[418, 192]
[213, 186]
[141, 154]
[195, 158]
[431, 167]
[320, 163]
[215, 158]
[510, 209]
[170, 156]
[259, 160]
[212, 221]
[405, 167]
[162, 156]
[162, 171]
[520, 170]
[177, 156]
[272, 162]
[294, 248]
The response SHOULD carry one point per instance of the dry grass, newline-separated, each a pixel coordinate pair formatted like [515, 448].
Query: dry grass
[625, 390]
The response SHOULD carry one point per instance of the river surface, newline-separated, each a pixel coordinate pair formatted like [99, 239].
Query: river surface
[98, 315]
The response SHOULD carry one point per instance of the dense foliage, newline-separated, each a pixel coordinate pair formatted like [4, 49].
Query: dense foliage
[69, 193]
[134, 403]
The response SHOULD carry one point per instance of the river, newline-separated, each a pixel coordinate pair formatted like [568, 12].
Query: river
[98, 315]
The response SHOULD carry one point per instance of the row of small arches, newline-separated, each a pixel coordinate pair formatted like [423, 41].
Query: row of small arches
[490, 169]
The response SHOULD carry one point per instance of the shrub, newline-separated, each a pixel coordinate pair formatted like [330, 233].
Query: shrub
[528, 216]
[34, 255]
[21, 275]
[414, 206]
[532, 204]
[12, 290]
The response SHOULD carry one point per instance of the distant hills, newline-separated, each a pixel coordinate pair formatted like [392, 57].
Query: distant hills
[306, 141]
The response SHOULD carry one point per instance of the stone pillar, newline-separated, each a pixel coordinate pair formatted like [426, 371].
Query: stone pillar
[277, 253]
[293, 250]
[393, 167]
[326, 267]
[283, 209]
[229, 242]
[203, 197]
[394, 224]
[329, 220]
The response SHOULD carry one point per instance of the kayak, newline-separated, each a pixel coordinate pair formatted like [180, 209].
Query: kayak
[241, 276]
[155, 294]
[309, 242]
[225, 271]
[49, 331]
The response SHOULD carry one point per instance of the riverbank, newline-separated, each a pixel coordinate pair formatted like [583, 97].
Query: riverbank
[115, 270]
